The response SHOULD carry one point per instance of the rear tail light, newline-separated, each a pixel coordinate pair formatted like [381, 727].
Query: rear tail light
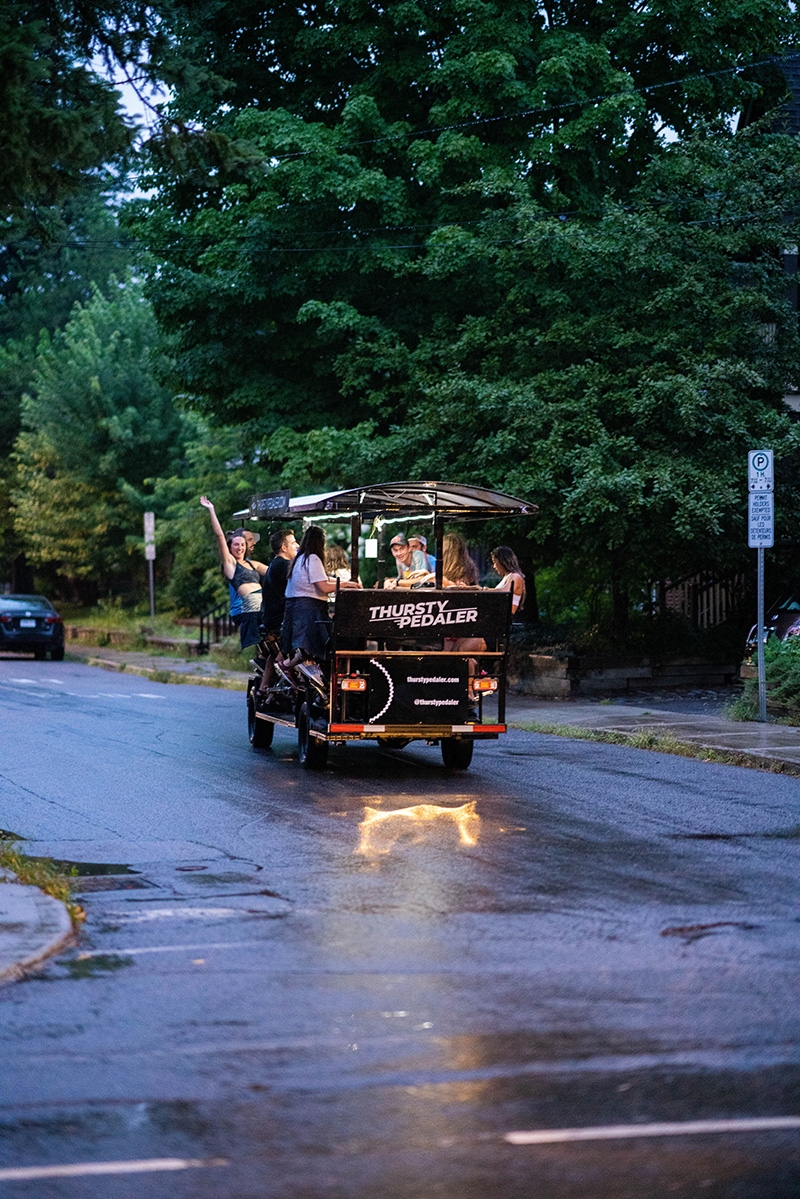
[5, 618]
[484, 684]
[356, 684]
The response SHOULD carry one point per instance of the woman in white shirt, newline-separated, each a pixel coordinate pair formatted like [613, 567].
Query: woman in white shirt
[504, 561]
[305, 623]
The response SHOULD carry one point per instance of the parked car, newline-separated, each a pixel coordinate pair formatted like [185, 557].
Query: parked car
[781, 621]
[29, 624]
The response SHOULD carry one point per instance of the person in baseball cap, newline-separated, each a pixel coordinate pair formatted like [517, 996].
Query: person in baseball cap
[419, 544]
[407, 560]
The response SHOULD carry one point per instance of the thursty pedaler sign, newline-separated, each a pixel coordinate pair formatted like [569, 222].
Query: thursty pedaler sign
[403, 691]
[422, 614]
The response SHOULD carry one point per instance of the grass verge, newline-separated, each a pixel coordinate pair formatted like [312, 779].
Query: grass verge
[41, 873]
[664, 743]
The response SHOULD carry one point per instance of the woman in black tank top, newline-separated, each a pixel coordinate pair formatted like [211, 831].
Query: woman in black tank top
[243, 573]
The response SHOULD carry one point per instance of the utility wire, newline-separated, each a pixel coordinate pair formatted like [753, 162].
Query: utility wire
[548, 108]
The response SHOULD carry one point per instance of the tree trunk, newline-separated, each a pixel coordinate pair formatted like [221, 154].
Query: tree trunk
[619, 604]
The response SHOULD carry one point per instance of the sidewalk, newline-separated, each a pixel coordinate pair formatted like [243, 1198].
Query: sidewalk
[663, 714]
[159, 667]
[32, 926]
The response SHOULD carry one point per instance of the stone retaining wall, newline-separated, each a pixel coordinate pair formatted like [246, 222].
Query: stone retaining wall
[563, 675]
[122, 639]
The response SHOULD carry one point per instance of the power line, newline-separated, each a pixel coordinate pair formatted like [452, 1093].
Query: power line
[380, 247]
[548, 108]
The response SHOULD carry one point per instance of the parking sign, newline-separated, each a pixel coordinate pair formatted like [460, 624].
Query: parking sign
[761, 470]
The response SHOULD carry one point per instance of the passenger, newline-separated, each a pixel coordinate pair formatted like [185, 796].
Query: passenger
[412, 565]
[235, 600]
[305, 623]
[419, 544]
[458, 568]
[337, 563]
[284, 548]
[505, 562]
[244, 574]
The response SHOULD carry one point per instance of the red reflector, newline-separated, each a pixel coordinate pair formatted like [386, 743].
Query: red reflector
[346, 728]
[353, 684]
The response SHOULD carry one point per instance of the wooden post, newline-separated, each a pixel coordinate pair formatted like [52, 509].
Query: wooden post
[438, 533]
[355, 533]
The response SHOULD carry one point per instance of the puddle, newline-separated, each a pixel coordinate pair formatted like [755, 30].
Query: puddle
[91, 883]
[778, 834]
[229, 876]
[95, 967]
[695, 932]
[81, 869]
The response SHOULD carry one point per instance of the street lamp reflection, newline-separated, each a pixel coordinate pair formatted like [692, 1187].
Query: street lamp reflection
[381, 830]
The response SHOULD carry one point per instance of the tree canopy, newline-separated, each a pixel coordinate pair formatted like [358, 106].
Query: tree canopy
[333, 148]
[490, 241]
[96, 425]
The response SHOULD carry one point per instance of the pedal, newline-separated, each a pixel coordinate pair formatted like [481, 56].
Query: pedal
[312, 672]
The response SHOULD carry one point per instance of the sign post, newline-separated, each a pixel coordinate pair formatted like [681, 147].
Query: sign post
[761, 536]
[150, 554]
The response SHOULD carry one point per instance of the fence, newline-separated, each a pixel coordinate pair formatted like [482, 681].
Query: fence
[705, 600]
[214, 625]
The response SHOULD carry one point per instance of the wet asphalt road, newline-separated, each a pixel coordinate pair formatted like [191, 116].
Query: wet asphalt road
[338, 991]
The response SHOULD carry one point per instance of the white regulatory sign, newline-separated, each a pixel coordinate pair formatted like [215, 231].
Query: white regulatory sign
[149, 536]
[760, 470]
[760, 520]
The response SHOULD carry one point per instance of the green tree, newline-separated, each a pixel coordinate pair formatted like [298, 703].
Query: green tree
[219, 463]
[626, 369]
[468, 236]
[96, 425]
[325, 151]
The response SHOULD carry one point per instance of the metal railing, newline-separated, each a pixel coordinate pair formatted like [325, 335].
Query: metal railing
[214, 625]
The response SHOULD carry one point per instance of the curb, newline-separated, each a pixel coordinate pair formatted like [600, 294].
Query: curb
[162, 676]
[32, 926]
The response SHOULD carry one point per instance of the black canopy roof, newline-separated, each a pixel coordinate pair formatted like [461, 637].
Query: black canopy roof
[415, 498]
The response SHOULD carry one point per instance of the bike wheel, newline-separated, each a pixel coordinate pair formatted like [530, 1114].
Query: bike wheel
[456, 754]
[312, 752]
[260, 732]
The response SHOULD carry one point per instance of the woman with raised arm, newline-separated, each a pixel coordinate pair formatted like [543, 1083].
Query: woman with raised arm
[505, 562]
[243, 573]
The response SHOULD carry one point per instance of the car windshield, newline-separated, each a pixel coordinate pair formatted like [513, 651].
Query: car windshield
[24, 603]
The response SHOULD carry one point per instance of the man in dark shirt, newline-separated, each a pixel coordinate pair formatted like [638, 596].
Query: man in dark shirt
[273, 586]
[273, 602]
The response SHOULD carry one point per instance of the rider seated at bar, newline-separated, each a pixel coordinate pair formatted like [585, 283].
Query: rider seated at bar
[412, 565]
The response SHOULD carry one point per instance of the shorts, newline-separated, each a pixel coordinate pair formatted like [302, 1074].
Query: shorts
[250, 628]
[306, 626]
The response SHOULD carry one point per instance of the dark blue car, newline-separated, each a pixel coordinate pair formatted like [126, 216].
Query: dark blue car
[29, 624]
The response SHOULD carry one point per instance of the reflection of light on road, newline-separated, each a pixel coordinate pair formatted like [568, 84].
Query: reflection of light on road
[381, 830]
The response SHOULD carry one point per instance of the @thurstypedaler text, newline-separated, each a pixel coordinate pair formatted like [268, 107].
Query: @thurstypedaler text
[423, 615]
